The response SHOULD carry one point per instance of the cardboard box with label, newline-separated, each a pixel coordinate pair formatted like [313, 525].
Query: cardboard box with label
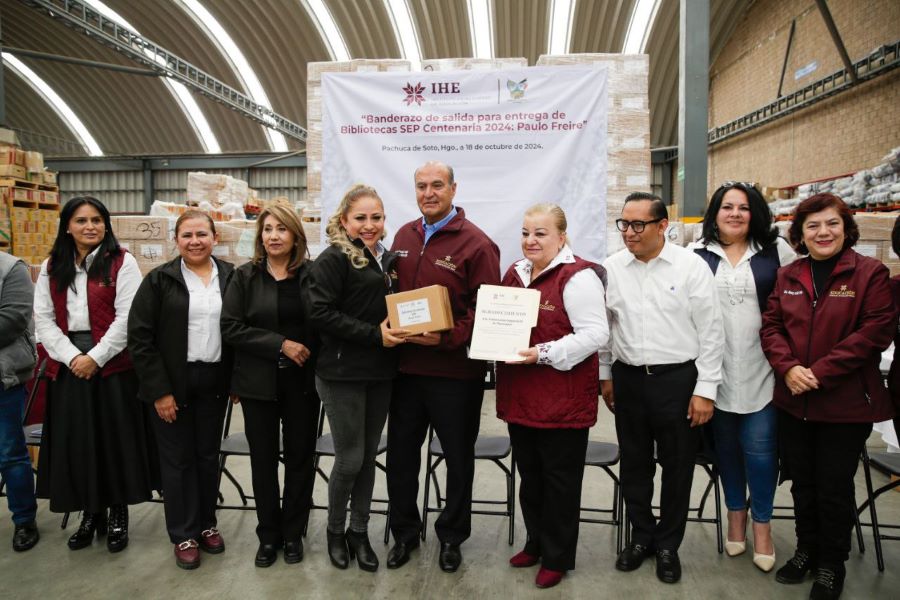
[423, 310]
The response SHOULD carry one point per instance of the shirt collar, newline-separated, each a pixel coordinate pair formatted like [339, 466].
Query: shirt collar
[524, 266]
[436, 226]
[185, 271]
[666, 254]
[88, 260]
[716, 248]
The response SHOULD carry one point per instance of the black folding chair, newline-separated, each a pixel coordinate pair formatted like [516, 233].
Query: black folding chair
[235, 444]
[889, 465]
[494, 449]
[325, 447]
[605, 455]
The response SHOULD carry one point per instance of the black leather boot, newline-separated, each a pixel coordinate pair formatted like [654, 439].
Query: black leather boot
[25, 536]
[117, 536]
[337, 549]
[91, 523]
[358, 545]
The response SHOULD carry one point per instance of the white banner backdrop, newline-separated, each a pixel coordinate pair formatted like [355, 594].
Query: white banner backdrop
[513, 137]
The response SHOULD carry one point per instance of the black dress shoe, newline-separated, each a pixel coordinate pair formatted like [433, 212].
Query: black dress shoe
[117, 534]
[25, 536]
[668, 566]
[399, 554]
[293, 552]
[91, 523]
[266, 555]
[358, 545]
[632, 557]
[450, 557]
[337, 549]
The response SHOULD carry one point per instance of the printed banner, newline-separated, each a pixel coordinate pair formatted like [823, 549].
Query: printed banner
[513, 137]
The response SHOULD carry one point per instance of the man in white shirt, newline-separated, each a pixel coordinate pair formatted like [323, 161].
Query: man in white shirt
[659, 374]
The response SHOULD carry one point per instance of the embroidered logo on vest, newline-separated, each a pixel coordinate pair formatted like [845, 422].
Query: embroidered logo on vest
[842, 293]
[402, 253]
[794, 292]
[446, 263]
[547, 306]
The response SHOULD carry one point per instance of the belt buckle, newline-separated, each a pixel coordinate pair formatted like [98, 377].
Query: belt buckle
[647, 369]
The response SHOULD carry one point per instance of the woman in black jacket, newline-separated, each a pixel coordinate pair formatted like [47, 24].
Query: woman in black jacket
[175, 340]
[264, 321]
[348, 283]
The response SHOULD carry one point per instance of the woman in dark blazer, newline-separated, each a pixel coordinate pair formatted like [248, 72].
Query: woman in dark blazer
[348, 285]
[265, 322]
[175, 339]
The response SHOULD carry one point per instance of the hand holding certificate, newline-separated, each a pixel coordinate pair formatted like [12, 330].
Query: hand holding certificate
[504, 317]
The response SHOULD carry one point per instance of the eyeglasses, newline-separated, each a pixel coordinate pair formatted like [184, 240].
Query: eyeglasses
[744, 184]
[636, 226]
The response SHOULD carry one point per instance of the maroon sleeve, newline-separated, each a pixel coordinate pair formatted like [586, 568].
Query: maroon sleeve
[874, 332]
[773, 334]
[484, 268]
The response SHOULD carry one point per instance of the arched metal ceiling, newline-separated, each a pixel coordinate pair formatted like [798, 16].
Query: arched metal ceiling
[130, 114]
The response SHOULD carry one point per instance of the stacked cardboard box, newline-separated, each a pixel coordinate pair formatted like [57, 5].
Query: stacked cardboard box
[628, 129]
[216, 189]
[875, 238]
[151, 239]
[314, 73]
[33, 231]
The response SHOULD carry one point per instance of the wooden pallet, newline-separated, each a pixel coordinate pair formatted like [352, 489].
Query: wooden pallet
[30, 204]
[24, 183]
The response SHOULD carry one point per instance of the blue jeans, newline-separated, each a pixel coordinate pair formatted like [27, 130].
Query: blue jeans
[15, 465]
[746, 446]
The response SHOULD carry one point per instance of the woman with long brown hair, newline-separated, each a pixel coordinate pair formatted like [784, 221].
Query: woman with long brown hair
[265, 321]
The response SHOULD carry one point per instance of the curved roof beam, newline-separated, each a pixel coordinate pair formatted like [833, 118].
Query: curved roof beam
[561, 14]
[639, 27]
[46, 91]
[242, 69]
[405, 31]
[328, 29]
[182, 96]
[481, 28]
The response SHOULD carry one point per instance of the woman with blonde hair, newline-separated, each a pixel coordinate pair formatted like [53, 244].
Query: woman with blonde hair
[549, 398]
[264, 320]
[348, 284]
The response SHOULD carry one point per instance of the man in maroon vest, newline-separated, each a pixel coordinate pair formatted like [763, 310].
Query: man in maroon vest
[438, 385]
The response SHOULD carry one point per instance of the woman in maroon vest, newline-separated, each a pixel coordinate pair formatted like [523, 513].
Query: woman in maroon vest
[94, 450]
[549, 399]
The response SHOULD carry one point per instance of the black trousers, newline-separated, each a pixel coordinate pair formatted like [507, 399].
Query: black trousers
[453, 407]
[298, 412]
[821, 459]
[189, 454]
[551, 467]
[652, 409]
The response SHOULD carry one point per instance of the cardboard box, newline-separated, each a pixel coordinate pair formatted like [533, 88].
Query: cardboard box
[50, 197]
[142, 228]
[421, 310]
[49, 177]
[875, 226]
[9, 137]
[17, 171]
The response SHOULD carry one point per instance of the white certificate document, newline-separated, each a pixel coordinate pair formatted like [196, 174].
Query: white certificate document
[504, 317]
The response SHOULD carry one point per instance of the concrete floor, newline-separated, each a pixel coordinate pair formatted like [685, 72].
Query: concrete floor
[146, 568]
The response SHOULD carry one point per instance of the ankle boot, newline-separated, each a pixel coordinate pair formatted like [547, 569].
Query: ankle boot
[337, 550]
[91, 523]
[117, 536]
[358, 545]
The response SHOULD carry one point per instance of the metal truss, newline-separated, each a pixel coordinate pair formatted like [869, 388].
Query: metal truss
[80, 17]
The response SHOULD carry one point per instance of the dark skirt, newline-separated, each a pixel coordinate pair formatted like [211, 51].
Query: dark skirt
[97, 448]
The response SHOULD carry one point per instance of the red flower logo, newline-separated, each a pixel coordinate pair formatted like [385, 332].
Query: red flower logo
[414, 94]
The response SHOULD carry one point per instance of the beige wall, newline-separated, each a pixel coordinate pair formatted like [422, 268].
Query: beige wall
[845, 133]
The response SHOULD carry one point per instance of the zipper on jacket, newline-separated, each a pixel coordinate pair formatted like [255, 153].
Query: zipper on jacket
[812, 320]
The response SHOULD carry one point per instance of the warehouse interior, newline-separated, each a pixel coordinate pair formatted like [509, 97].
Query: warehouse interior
[149, 105]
